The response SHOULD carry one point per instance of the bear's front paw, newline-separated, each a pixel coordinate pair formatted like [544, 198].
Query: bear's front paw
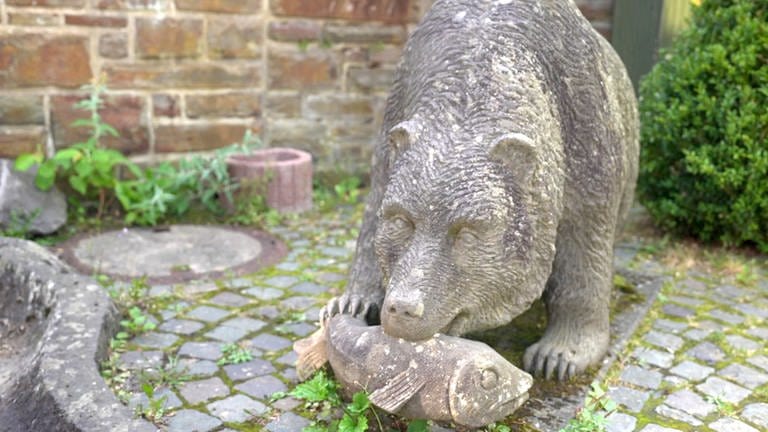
[350, 304]
[551, 357]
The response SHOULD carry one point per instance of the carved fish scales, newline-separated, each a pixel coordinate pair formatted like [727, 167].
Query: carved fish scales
[443, 378]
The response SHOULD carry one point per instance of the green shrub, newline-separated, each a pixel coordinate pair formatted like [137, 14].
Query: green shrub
[704, 114]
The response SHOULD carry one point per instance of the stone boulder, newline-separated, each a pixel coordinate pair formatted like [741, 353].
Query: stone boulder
[21, 202]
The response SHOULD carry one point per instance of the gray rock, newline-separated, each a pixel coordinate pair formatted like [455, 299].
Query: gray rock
[692, 370]
[757, 414]
[192, 421]
[620, 422]
[727, 424]
[697, 334]
[269, 342]
[707, 352]
[633, 400]
[724, 390]
[140, 400]
[310, 288]
[669, 325]
[195, 392]
[664, 340]
[23, 205]
[155, 340]
[262, 387]
[236, 409]
[656, 428]
[246, 324]
[744, 375]
[201, 350]
[181, 326]
[299, 303]
[141, 359]
[226, 334]
[287, 422]
[676, 414]
[760, 361]
[742, 343]
[727, 317]
[247, 370]
[198, 368]
[207, 313]
[641, 377]
[282, 281]
[689, 402]
[263, 293]
[653, 357]
[758, 332]
[228, 299]
[677, 311]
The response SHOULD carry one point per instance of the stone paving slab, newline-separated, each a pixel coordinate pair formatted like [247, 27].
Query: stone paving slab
[699, 362]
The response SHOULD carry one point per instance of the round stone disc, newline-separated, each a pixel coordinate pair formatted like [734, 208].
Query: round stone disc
[180, 252]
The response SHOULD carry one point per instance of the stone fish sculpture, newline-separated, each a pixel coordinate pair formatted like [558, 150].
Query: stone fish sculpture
[505, 166]
[443, 378]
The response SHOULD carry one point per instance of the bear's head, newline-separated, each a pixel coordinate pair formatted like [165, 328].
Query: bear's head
[455, 233]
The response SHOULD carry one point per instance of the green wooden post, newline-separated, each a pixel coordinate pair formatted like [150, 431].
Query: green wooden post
[641, 27]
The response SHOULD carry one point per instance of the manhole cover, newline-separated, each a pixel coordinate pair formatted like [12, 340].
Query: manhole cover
[182, 252]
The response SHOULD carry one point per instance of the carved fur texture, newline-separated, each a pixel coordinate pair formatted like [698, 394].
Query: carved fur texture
[506, 163]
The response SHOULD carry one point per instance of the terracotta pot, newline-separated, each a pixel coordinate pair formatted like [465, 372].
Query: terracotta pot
[283, 175]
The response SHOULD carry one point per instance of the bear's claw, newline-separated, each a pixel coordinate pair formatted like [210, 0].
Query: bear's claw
[347, 304]
[547, 359]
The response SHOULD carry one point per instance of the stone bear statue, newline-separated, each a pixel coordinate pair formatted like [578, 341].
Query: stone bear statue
[505, 166]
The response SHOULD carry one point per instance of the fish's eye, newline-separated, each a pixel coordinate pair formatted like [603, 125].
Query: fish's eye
[489, 379]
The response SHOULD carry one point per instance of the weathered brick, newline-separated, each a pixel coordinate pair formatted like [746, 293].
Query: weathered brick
[353, 54]
[124, 113]
[232, 104]
[291, 70]
[371, 10]
[33, 19]
[364, 34]
[165, 105]
[185, 138]
[33, 60]
[191, 75]
[95, 21]
[156, 5]
[283, 104]
[113, 45]
[375, 79]
[234, 37]
[15, 140]
[21, 110]
[51, 3]
[168, 37]
[338, 106]
[387, 54]
[228, 6]
[295, 30]
[297, 133]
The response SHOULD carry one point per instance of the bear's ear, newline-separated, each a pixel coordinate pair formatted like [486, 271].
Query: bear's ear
[518, 153]
[402, 136]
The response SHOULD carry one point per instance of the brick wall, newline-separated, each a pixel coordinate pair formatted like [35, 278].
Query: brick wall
[193, 75]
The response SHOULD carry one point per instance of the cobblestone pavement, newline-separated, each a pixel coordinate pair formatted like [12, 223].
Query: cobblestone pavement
[698, 362]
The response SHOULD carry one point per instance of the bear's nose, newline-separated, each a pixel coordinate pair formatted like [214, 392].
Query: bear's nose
[407, 308]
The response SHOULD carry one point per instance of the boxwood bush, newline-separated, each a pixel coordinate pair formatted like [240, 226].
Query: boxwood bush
[704, 114]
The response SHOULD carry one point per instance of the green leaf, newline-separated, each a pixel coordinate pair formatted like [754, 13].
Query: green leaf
[353, 424]
[78, 184]
[46, 175]
[27, 160]
[418, 426]
[67, 154]
[360, 403]
[148, 390]
[81, 123]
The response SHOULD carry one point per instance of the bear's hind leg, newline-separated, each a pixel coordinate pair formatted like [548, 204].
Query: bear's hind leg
[577, 298]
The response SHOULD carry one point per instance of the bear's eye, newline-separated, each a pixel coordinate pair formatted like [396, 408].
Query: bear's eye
[489, 379]
[400, 227]
[466, 238]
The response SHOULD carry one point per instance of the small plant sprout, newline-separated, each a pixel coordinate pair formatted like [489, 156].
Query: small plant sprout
[234, 354]
[137, 322]
[155, 409]
[592, 417]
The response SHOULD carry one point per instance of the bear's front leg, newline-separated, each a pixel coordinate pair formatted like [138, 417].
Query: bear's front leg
[577, 298]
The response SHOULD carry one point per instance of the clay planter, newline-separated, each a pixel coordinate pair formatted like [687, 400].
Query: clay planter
[282, 175]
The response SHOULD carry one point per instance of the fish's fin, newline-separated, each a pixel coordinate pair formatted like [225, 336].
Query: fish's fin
[398, 390]
[312, 353]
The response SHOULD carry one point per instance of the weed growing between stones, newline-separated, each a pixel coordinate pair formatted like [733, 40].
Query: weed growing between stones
[592, 417]
[233, 354]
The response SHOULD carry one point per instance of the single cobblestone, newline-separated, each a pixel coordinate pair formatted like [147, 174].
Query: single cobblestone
[269, 342]
[181, 326]
[236, 409]
[751, 310]
[288, 359]
[669, 325]
[707, 352]
[155, 340]
[664, 340]
[198, 368]
[199, 288]
[201, 350]
[656, 428]
[287, 422]
[250, 369]
[264, 293]
[760, 361]
[719, 388]
[192, 420]
[677, 311]
[309, 288]
[299, 329]
[742, 343]
[758, 332]
[140, 400]
[697, 334]
[282, 281]
[689, 402]
[688, 301]
[299, 303]
[195, 392]
[631, 399]
[262, 387]
[141, 359]
[727, 317]
[692, 370]
[727, 424]
[208, 313]
[676, 414]
[247, 324]
[757, 414]
[653, 357]
[641, 377]
[620, 422]
[744, 375]
[228, 299]
[226, 334]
